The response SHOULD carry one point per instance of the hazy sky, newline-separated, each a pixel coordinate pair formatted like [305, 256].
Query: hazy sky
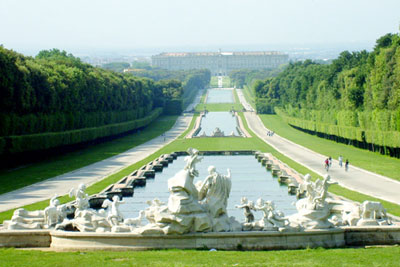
[116, 24]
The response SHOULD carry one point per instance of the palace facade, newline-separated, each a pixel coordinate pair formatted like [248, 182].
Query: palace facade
[220, 63]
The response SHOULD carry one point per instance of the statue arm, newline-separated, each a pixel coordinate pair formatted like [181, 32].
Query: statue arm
[229, 173]
[204, 187]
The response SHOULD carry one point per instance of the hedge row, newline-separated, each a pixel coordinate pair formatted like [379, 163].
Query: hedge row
[384, 120]
[36, 142]
[381, 138]
[13, 124]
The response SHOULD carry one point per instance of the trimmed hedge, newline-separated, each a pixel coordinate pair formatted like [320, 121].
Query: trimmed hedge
[173, 107]
[2, 145]
[43, 141]
[380, 138]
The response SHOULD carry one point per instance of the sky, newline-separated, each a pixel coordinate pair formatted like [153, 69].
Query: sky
[179, 24]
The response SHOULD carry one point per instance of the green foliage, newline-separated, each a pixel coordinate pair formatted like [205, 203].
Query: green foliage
[55, 92]
[191, 82]
[240, 78]
[116, 66]
[42, 141]
[356, 97]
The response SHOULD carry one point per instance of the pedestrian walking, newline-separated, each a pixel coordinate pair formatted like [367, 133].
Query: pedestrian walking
[330, 161]
[340, 161]
[346, 165]
[327, 164]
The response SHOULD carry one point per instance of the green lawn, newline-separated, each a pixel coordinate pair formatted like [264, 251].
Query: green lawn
[375, 256]
[248, 93]
[226, 82]
[17, 178]
[371, 161]
[219, 107]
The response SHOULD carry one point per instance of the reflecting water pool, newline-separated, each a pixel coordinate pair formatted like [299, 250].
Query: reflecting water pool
[220, 96]
[225, 121]
[249, 179]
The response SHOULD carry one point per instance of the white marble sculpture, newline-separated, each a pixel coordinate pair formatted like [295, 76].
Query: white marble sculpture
[272, 219]
[39, 219]
[202, 208]
[114, 215]
[55, 213]
[247, 207]
[372, 213]
[214, 193]
[135, 222]
[81, 198]
[191, 208]
[217, 133]
[313, 211]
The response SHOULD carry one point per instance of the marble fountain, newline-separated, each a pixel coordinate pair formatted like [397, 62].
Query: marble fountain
[195, 215]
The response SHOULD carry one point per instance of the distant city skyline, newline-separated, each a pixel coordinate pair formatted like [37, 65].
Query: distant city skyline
[154, 26]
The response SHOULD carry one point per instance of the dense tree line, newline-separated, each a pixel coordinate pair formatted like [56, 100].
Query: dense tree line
[191, 82]
[55, 92]
[242, 77]
[358, 89]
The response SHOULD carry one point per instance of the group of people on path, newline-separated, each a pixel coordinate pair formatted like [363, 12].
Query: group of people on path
[328, 163]
[270, 133]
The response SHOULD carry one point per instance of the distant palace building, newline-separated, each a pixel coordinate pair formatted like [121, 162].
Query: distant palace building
[219, 63]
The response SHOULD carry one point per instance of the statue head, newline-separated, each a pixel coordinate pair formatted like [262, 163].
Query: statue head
[56, 202]
[327, 177]
[307, 177]
[82, 187]
[260, 202]
[115, 198]
[211, 169]
[243, 200]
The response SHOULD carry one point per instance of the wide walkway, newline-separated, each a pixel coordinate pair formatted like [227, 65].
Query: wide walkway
[355, 178]
[92, 173]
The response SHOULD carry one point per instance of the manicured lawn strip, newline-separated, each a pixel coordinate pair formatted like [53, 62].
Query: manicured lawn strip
[375, 256]
[371, 161]
[191, 125]
[221, 106]
[214, 82]
[18, 178]
[226, 82]
[249, 96]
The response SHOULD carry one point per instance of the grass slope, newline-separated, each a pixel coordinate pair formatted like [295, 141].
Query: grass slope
[18, 178]
[248, 93]
[307, 257]
[368, 160]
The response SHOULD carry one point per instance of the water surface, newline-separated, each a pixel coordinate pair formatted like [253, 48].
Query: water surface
[249, 179]
[225, 121]
[220, 96]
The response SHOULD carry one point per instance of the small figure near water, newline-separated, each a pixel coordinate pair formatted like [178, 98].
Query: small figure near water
[340, 161]
[326, 164]
[247, 207]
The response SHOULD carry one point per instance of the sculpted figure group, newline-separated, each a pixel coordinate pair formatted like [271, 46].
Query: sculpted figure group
[201, 207]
